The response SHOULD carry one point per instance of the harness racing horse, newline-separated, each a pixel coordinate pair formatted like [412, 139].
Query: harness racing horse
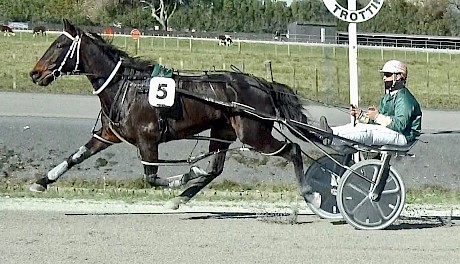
[39, 30]
[7, 31]
[127, 116]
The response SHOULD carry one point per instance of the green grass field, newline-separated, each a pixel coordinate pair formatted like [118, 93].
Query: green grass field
[317, 73]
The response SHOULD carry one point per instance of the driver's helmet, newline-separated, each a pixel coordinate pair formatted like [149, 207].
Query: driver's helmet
[395, 66]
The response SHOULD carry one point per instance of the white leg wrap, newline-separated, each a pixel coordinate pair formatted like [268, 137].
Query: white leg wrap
[57, 171]
[79, 156]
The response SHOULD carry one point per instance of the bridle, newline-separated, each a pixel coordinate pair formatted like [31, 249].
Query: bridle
[75, 48]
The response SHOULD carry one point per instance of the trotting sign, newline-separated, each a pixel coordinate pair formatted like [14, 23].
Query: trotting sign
[354, 16]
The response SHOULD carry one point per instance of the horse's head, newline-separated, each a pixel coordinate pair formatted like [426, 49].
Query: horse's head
[61, 57]
[77, 51]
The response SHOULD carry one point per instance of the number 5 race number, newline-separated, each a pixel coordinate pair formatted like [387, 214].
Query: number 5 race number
[162, 91]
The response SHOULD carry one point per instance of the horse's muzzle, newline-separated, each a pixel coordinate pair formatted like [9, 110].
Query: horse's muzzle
[34, 75]
[41, 78]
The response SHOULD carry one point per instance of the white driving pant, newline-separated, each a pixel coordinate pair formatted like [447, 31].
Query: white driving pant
[369, 134]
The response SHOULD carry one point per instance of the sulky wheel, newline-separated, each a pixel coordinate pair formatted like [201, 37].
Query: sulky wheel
[323, 177]
[354, 201]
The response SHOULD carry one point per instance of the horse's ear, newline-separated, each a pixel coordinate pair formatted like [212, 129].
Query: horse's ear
[69, 27]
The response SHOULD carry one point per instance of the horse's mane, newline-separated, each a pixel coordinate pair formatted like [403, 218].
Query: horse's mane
[116, 54]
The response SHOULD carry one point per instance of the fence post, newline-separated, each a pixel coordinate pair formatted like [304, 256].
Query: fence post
[337, 80]
[138, 45]
[268, 70]
[448, 87]
[293, 77]
[427, 87]
[14, 80]
[316, 83]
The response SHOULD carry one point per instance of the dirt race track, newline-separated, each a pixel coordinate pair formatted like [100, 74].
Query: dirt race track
[56, 231]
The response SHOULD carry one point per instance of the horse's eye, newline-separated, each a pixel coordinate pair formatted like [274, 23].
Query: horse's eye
[59, 45]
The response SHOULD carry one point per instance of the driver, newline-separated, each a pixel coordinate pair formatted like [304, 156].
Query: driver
[397, 120]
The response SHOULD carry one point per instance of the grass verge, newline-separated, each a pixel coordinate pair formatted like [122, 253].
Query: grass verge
[132, 191]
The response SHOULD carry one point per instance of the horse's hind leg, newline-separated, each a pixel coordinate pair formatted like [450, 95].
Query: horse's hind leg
[92, 147]
[258, 135]
[217, 166]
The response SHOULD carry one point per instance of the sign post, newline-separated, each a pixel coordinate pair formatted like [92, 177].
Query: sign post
[353, 58]
[353, 16]
[136, 35]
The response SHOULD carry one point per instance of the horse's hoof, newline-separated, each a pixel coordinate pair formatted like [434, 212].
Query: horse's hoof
[175, 202]
[314, 199]
[37, 188]
[196, 172]
[176, 181]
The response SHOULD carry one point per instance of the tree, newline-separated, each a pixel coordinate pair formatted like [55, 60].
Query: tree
[453, 16]
[161, 10]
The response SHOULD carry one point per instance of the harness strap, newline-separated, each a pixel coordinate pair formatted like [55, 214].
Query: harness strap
[113, 130]
[114, 71]
[103, 139]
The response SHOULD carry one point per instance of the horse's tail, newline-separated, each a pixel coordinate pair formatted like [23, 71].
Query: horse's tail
[290, 108]
[287, 102]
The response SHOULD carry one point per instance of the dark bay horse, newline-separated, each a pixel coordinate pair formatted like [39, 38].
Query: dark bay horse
[39, 30]
[127, 116]
[7, 31]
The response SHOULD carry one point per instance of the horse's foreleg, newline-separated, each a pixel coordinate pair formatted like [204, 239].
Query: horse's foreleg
[149, 156]
[92, 147]
[151, 176]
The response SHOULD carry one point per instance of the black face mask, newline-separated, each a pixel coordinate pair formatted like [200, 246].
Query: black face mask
[389, 85]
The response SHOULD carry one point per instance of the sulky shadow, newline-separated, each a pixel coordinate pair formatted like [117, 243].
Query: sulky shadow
[424, 222]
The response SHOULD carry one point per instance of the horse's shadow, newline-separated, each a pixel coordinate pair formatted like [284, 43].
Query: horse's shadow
[403, 223]
[269, 217]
